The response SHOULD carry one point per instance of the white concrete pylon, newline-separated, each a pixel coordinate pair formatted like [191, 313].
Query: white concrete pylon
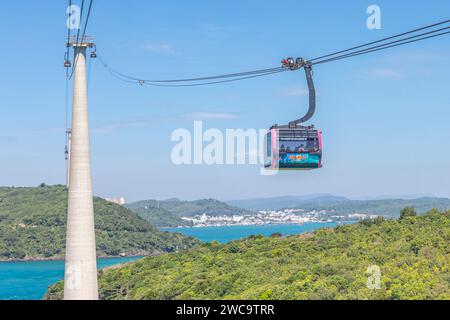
[80, 277]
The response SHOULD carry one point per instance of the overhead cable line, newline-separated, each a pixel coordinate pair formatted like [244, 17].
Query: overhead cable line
[215, 82]
[143, 82]
[81, 19]
[68, 36]
[231, 75]
[87, 20]
[381, 40]
[420, 37]
[78, 35]
[66, 151]
[342, 54]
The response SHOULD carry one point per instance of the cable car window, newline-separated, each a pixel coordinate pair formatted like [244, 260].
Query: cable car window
[269, 144]
[297, 146]
[312, 144]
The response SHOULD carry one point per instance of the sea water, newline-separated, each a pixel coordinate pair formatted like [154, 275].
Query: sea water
[29, 280]
[226, 234]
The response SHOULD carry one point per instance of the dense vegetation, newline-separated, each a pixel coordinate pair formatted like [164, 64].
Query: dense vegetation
[160, 217]
[342, 206]
[32, 226]
[413, 254]
[387, 208]
[168, 213]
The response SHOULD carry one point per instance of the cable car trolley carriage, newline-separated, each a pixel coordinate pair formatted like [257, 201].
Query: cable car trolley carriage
[295, 146]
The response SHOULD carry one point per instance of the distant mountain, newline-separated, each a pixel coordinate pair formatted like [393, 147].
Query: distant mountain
[33, 226]
[402, 197]
[387, 207]
[342, 206]
[168, 213]
[286, 202]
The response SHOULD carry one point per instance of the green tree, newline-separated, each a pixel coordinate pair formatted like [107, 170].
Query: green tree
[408, 212]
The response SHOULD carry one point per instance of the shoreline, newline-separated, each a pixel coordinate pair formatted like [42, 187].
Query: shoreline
[62, 258]
[256, 225]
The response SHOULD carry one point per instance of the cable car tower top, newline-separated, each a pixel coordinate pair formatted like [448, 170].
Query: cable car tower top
[86, 41]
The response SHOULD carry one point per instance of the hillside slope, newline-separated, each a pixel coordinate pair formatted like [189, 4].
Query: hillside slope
[159, 217]
[412, 253]
[32, 226]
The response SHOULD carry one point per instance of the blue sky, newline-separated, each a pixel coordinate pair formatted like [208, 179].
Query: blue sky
[384, 116]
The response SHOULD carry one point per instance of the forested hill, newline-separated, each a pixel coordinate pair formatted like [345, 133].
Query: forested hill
[387, 208]
[285, 202]
[33, 222]
[160, 217]
[412, 254]
[168, 213]
[341, 205]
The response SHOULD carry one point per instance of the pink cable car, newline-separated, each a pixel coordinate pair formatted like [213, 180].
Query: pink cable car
[294, 146]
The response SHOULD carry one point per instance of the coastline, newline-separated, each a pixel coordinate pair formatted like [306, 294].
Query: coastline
[256, 225]
[61, 258]
[225, 234]
[174, 229]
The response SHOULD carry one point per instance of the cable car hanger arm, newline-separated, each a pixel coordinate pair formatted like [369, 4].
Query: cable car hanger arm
[307, 66]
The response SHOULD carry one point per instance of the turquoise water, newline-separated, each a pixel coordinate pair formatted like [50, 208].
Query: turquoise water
[29, 280]
[229, 233]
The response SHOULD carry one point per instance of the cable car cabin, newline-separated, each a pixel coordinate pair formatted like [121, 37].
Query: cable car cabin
[293, 148]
